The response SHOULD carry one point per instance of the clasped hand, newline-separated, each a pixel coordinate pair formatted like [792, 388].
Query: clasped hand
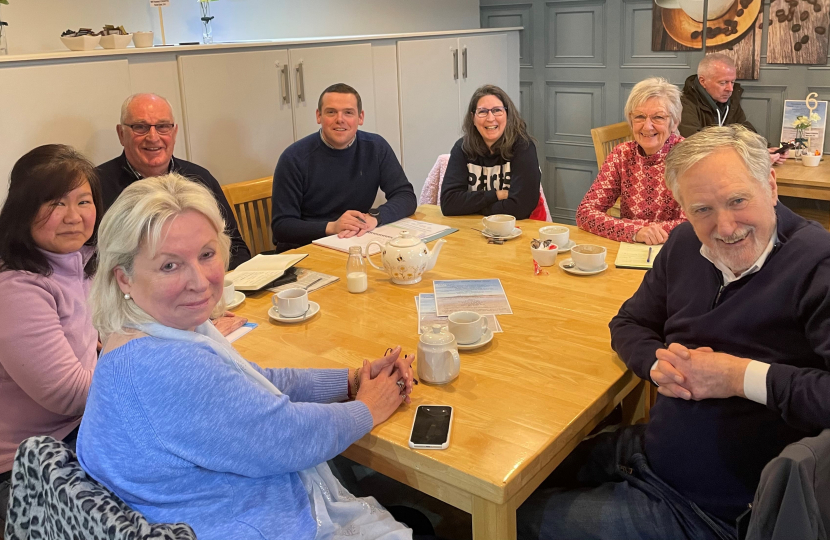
[698, 373]
[351, 223]
[379, 388]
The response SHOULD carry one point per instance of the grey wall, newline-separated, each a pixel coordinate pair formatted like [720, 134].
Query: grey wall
[36, 25]
[579, 61]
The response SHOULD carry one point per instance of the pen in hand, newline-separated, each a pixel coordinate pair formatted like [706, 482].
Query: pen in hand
[648, 259]
[360, 220]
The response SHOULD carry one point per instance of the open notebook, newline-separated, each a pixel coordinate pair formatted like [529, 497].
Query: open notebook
[636, 255]
[261, 270]
[423, 230]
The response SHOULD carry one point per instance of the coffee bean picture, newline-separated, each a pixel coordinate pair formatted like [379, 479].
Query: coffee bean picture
[798, 32]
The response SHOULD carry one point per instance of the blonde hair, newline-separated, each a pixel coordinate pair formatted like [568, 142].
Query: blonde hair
[751, 147]
[134, 221]
[655, 87]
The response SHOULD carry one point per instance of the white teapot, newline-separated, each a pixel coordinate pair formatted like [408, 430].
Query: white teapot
[438, 360]
[406, 257]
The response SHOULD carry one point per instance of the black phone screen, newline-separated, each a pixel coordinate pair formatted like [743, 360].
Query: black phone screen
[432, 425]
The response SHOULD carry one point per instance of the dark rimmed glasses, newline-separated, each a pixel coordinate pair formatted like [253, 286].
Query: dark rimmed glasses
[144, 129]
[497, 111]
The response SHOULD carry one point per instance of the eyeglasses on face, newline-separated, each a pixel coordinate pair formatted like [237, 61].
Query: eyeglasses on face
[497, 111]
[144, 129]
[657, 119]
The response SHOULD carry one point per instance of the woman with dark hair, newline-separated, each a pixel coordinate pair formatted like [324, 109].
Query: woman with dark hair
[48, 346]
[493, 168]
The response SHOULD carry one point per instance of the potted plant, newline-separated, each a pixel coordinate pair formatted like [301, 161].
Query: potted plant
[801, 124]
[207, 31]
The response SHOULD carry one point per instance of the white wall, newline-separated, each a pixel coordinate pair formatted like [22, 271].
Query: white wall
[36, 25]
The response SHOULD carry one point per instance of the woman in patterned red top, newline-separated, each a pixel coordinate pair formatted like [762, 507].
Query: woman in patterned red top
[633, 171]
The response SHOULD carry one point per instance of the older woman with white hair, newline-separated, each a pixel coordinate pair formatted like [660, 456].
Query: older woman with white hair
[633, 172]
[184, 429]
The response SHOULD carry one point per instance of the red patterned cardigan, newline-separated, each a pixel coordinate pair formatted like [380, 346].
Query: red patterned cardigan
[638, 181]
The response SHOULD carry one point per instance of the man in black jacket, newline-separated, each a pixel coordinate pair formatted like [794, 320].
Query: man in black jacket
[733, 324]
[148, 134]
[711, 97]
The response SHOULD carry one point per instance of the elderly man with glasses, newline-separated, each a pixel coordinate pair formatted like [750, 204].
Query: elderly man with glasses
[147, 132]
[733, 324]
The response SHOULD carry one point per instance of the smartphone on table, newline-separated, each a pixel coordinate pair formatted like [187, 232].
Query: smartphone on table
[431, 427]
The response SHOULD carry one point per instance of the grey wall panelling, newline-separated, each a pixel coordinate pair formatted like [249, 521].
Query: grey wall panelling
[579, 61]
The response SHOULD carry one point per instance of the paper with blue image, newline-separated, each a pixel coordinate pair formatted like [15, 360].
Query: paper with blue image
[484, 296]
[427, 316]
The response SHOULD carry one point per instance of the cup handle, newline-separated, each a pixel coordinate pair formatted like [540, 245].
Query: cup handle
[484, 325]
[274, 301]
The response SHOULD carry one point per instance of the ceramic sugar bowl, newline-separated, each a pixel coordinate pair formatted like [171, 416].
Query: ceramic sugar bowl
[438, 360]
[406, 257]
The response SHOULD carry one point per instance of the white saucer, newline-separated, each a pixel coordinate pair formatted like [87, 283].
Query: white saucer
[238, 298]
[313, 308]
[516, 232]
[567, 247]
[485, 338]
[577, 272]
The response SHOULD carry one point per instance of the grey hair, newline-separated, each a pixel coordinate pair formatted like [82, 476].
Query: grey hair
[751, 147]
[655, 87]
[127, 102]
[136, 220]
[708, 62]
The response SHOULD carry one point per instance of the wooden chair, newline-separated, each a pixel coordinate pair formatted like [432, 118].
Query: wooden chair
[251, 205]
[605, 139]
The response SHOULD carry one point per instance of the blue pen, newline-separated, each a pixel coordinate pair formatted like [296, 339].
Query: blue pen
[648, 259]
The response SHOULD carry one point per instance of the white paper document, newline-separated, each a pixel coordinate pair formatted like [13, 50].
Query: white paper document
[484, 296]
[261, 270]
[423, 230]
[427, 315]
[241, 331]
[305, 278]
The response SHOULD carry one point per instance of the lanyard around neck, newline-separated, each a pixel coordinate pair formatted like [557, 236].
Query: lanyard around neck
[721, 120]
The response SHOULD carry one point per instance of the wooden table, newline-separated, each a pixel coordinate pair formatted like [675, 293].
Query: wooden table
[521, 403]
[812, 187]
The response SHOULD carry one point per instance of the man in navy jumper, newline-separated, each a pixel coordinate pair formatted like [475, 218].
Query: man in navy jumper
[733, 324]
[326, 183]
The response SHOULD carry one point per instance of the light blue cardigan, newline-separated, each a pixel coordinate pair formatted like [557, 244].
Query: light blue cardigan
[180, 435]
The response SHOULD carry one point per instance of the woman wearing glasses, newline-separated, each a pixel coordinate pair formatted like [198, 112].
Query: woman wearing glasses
[493, 168]
[633, 172]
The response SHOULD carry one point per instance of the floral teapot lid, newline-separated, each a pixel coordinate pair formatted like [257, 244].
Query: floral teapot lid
[405, 240]
[437, 334]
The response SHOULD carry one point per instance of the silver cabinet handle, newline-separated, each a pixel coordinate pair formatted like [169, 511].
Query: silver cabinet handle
[464, 62]
[300, 83]
[284, 82]
[455, 64]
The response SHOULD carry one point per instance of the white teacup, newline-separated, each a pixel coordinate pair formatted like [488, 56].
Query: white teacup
[588, 257]
[499, 224]
[545, 257]
[467, 326]
[143, 39]
[557, 234]
[291, 302]
[228, 292]
[694, 8]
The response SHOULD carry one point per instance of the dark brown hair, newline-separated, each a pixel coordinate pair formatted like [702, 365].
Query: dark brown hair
[340, 88]
[515, 129]
[45, 174]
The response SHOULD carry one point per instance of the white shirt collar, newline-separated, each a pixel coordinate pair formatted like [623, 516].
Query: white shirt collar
[333, 148]
[728, 275]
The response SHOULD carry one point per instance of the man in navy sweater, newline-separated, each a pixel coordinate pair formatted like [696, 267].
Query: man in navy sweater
[733, 324]
[326, 183]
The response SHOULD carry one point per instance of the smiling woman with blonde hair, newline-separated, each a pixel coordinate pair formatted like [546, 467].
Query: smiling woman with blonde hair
[633, 171]
[184, 429]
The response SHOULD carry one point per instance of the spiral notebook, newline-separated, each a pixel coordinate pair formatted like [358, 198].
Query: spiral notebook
[423, 230]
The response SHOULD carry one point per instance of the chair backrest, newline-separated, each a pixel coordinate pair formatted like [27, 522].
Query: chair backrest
[607, 137]
[251, 204]
[51, 496]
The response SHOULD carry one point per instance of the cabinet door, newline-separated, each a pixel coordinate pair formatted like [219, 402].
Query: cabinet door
[316, 68]
[238, 119]
[428, 75]
[487, 62]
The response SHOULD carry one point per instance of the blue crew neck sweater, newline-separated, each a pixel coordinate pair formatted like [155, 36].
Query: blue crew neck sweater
[315, 184]
[181, 436]
[712, 451]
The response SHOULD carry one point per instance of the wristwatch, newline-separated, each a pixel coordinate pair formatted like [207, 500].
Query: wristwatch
[375, 214]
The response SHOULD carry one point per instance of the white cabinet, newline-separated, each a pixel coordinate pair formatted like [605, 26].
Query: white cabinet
[314, 69]
[238, 112]
[437, 79]
[243, 109]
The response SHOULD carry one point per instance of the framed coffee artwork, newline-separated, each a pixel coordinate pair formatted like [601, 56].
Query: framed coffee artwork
[674, 28]
[744, 48]
[798, 32]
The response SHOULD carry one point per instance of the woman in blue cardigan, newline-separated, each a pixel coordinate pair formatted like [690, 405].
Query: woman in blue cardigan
[184, 429]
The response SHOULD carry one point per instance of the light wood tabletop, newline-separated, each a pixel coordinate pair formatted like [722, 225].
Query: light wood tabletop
[796, 180]
[521, 403]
